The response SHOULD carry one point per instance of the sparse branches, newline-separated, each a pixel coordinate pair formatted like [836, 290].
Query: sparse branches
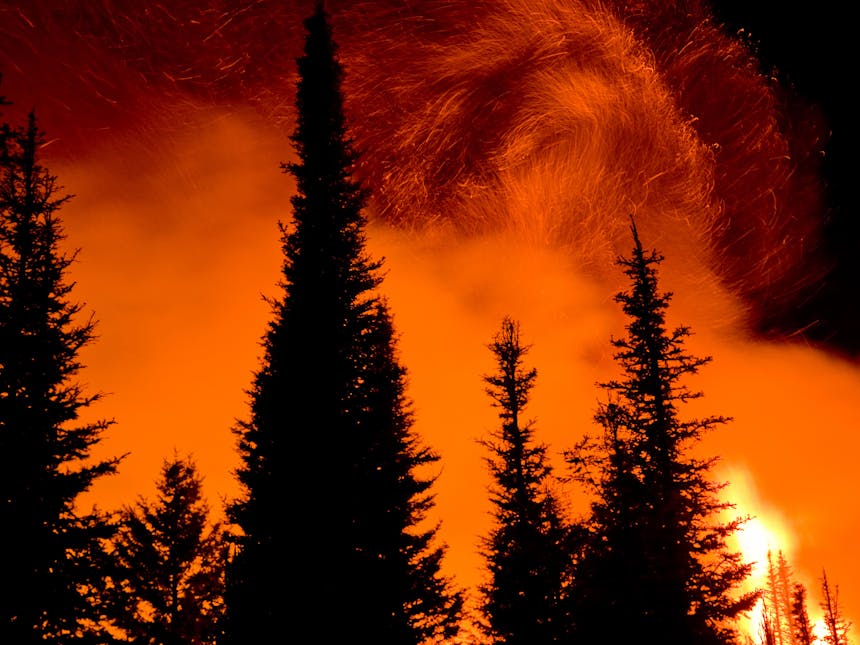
[835, 624]
[803, 633]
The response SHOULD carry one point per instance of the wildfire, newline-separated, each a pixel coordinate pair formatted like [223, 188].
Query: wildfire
[504, 144]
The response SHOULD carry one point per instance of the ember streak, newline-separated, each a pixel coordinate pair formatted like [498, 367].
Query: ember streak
[557, 118]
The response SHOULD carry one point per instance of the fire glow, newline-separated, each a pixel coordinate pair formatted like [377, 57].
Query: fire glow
[505, 143]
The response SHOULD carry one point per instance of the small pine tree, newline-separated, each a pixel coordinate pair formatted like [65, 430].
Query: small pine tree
[775, 608]
[803, 632]
[526, 552]
[48, 569]
[780, 595]
[835, 624]
[777, 593]
[656, 567]
[168, 564]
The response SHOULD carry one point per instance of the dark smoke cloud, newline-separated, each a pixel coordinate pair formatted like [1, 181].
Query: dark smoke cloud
[443, 97]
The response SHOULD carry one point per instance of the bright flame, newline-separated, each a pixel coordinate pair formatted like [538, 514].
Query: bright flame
[755, 541]
[761, 537]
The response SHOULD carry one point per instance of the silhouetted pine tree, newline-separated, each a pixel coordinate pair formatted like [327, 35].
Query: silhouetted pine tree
[656, 567]
[803, 633]
[778, 594]
[835, 625]
[332, 543]
[48, 547]
[526, 552]
[394, 555]
[611, 570]
[168, 564]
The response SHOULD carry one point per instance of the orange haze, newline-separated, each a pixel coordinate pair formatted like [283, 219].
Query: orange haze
[180, 313]
[505, 152]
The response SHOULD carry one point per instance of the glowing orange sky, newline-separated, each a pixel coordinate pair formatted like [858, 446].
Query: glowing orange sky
[176, 221]
[180, 315]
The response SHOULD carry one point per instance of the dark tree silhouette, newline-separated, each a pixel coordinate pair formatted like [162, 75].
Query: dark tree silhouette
[392, 546]
[835, 624]
[48, 569]
[168, 564]
[527, 554]
[333, 540]
[803, 633]
[656, 567]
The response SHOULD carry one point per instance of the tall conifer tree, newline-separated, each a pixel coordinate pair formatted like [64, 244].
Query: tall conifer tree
[526, 552]
[47, 544]
[657, 567]
[332, 517]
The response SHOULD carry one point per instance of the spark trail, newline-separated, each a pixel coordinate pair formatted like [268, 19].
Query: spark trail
[553, 118]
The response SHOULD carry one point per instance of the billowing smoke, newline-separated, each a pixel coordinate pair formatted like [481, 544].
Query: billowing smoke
[555, 119]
